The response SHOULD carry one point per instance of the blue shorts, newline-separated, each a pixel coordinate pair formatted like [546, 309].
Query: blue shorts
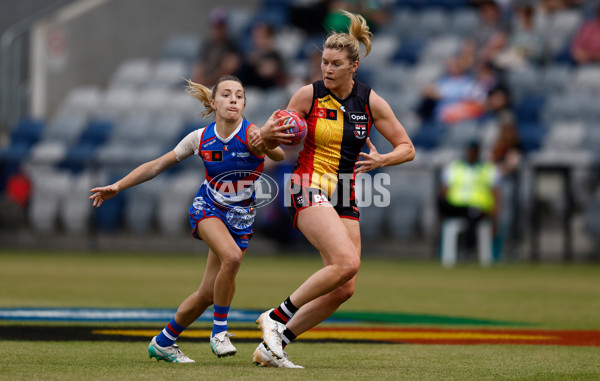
[238, 219]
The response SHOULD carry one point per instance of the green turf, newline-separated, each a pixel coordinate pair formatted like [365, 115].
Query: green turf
[544, 296]
[128, 361]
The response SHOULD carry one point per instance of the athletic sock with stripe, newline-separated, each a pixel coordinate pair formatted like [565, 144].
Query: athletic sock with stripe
[169, 334]
[284, 312]
[288, 337]
[220, 319]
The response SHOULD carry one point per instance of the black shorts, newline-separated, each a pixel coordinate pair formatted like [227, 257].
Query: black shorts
[299, 197]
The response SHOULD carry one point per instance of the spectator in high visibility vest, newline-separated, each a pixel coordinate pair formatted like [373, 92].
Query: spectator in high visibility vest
[470, 190]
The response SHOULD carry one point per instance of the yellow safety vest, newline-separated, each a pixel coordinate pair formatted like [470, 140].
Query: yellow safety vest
[471, 185]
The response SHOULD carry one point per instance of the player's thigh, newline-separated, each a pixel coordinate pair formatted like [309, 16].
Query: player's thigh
[325, 230]
[218, 238]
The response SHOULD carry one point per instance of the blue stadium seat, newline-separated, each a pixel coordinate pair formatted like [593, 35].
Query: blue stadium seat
[275, 15]
[409, 51]
[109, 218]
[276, 3]
[79, 157]
[532, 136]
[27, 131]
[529, 108]
[429, 136]
[15, 152]
[96, 133]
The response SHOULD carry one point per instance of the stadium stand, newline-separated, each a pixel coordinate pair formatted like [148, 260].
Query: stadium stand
[143, 111]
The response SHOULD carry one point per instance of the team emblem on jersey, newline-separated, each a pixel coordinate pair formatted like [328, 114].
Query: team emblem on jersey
[212, 155]
[360, 131]
[326, 113]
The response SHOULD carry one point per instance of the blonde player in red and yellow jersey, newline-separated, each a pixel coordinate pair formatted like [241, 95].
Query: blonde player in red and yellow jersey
[340, 112]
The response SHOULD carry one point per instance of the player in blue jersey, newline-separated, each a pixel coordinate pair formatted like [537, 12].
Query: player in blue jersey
[222, 212]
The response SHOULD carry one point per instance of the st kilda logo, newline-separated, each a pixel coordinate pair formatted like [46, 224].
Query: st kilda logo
[360, 131]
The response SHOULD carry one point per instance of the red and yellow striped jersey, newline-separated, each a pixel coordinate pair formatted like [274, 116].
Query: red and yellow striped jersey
[337, 131]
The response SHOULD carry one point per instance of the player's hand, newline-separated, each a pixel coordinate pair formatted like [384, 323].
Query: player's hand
[102, 194]
[371, 160]
[255, 138]
[274, 130]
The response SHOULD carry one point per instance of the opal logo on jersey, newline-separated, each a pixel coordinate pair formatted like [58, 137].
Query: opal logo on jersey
[358, 117]
[234, 187]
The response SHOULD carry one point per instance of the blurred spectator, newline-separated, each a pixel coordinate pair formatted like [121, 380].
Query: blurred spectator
[507, 151]
[469, 190]
[526, 44]
[454, 97]
[497, 98]
[490, 36]
[585, 47]
[263, 65]
[219, 55]
[507, 155]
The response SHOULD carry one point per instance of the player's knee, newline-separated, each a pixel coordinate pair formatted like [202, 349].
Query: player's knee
[348, 270]
[232, 261]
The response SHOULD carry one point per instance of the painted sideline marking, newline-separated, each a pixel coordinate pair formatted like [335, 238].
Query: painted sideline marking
[402, 335]
[235, 315]
[329, 334]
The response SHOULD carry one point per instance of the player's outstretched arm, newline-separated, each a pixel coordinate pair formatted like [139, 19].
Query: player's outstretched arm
[386, 123]
[139, 175]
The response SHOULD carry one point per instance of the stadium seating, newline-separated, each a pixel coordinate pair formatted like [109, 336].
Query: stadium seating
[142, 112]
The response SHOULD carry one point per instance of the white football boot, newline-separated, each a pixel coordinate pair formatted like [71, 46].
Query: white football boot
[168, 354]
[272, 333]
[264, 357]
[221, 345]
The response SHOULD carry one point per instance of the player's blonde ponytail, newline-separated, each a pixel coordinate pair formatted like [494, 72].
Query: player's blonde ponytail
[358, 32]
[204, 94]
[201, 93]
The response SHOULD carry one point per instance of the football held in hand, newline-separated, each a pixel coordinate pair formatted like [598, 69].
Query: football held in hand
[298, 127]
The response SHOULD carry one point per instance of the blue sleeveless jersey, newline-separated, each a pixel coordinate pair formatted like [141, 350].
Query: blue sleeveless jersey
[227, 192]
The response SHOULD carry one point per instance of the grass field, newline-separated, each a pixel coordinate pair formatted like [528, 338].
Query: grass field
[544, 297]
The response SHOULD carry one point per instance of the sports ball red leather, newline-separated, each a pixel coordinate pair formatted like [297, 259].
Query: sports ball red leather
[299, 125]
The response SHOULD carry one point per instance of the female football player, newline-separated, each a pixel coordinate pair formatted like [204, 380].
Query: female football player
[222, 219]
[340, 112]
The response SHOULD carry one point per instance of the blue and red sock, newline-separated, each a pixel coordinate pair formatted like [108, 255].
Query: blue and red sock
[220, 319]
[169, 334]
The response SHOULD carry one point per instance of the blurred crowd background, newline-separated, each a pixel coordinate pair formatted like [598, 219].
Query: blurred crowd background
[92, 88]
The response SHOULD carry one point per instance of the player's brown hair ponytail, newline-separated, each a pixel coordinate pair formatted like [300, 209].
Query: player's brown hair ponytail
[358, 32]
[204, 94]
